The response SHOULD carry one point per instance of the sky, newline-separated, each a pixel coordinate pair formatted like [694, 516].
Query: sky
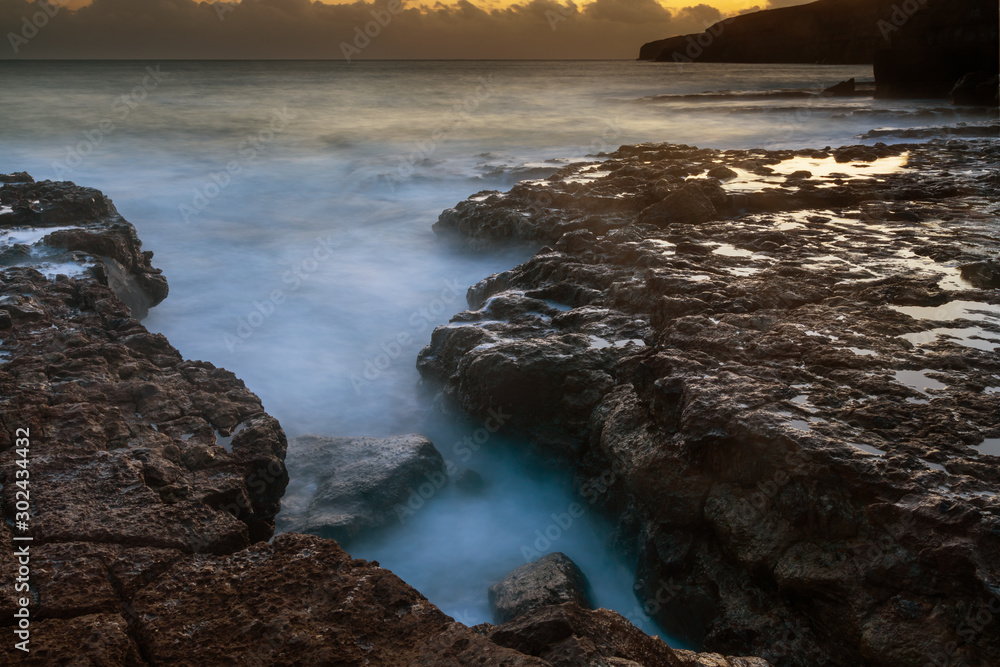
[366, 29]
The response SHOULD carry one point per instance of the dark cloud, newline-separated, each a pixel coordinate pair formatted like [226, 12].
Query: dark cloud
[161, 29]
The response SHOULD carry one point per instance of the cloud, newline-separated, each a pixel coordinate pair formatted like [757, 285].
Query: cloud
[164, 29]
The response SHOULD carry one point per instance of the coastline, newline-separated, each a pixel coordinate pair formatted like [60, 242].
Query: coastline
[619, 340]
[156, 480]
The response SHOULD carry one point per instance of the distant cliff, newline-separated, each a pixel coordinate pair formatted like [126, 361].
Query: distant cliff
[827, 31]
[920, 47]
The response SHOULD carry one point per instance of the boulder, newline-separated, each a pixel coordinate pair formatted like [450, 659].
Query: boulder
[552, 579]
[343, 486]
[984, 275]
[976, 89]
[842, 89]
[696, 201]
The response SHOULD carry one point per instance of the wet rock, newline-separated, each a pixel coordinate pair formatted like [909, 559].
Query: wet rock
[551, 580]
[722, 173]
[842, 89]
[984, 275]
[976, 89]
[768, 403]
[855, 154]
[359, 482]
[695, 201]
[86, 223]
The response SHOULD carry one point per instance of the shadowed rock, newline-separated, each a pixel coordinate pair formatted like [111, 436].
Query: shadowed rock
[552, 579]
[568, 635]
[790, 409]
[358, 481]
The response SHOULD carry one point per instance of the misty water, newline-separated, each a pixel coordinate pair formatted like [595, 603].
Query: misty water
[290, 207]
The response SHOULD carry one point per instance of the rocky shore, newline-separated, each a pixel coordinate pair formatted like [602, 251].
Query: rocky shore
[153, 483]
[776, 371]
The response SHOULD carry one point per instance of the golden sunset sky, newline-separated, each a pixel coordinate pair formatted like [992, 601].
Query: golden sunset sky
[365, 29]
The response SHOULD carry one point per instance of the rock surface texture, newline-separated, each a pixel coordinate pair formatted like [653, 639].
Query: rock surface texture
[154, 483]
[550, 580]
[777, 370]
[359, 481]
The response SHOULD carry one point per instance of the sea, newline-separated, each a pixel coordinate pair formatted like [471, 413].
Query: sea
[290, 203]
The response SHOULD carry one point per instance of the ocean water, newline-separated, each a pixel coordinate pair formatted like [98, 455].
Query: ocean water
[289, 205]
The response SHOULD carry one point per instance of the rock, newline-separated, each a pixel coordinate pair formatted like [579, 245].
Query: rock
[984, 275]
[722, 173]
[301, 600]
[692, 659]
[359, 482]
[695, 201]
[977, 89]
[568, 635]
[828, 32]
[470, 481]
[552, 579]
[928, 50]
[855, 154]
[842, 89]
[794, 487]
[112, 249]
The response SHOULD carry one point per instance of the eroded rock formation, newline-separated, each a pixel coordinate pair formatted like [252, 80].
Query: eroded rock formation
[777, 371]
[154, 483]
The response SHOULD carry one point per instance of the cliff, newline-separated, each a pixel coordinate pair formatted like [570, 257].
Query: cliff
[919, 47]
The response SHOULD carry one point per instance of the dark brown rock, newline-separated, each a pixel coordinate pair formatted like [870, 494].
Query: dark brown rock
[552, 579]
[793, 454]
[568, 635]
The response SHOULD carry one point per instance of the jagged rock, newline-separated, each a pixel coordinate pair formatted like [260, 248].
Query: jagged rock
[552, 579]
[110, 243]
[359, 482]
[842, 89]
[976, 88]
[301, 600]
[984, 275]
[722, 173]
[801, 461]
[695, 201]
[568, 635]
